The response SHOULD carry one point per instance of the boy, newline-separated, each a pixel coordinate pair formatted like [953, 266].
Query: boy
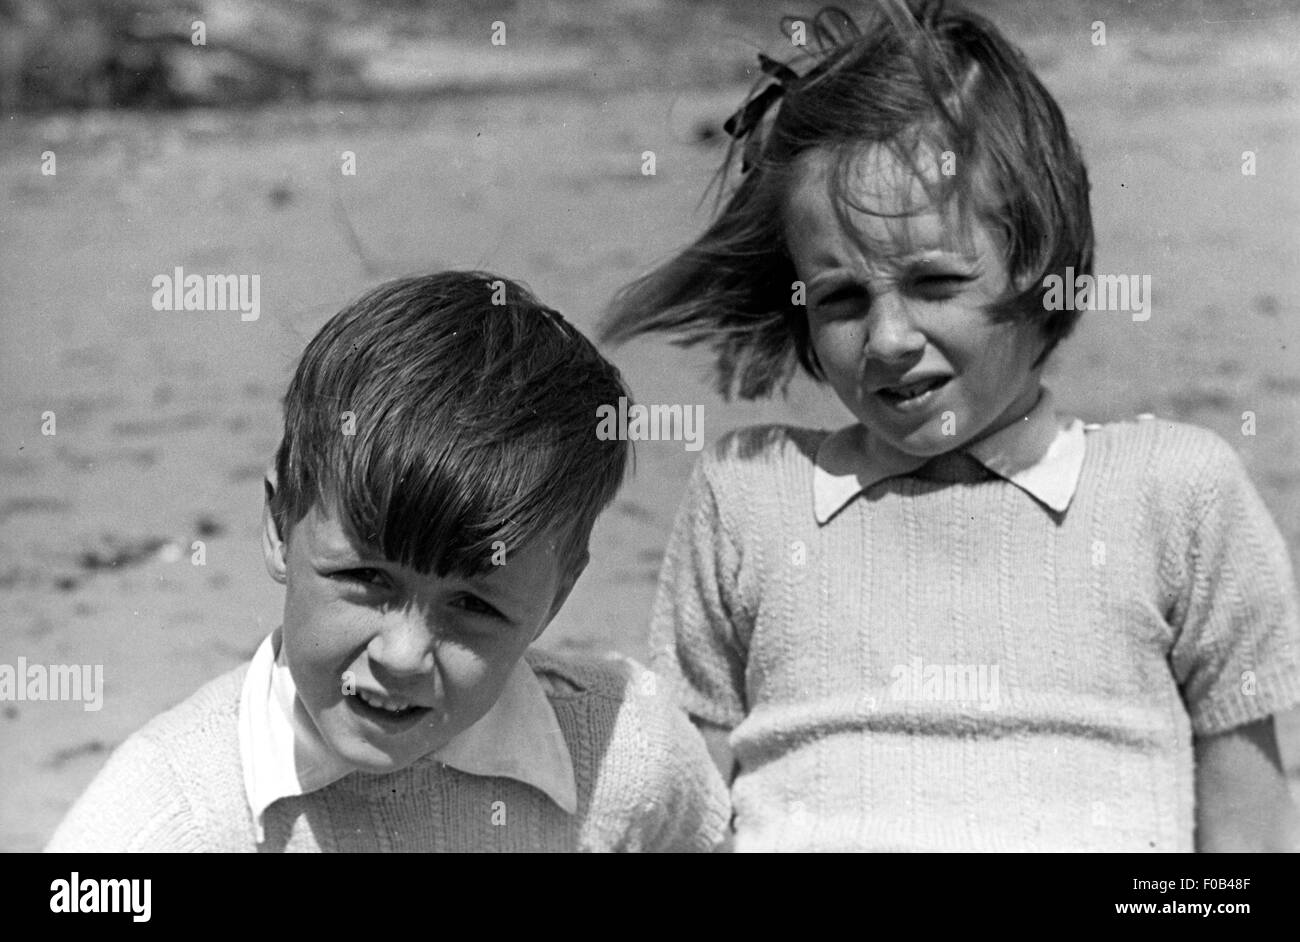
[428, 514]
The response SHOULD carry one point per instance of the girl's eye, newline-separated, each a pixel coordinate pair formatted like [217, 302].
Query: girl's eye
[939, 287]
[838, 297]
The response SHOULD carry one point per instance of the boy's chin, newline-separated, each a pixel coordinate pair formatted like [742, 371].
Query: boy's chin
[367, 756]
[377, 753]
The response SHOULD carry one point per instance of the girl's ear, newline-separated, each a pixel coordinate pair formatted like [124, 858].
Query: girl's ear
[273, 545]
[1023, 281]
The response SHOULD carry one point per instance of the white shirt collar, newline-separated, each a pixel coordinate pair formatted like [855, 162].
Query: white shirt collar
[284, 755]
[1040, 454]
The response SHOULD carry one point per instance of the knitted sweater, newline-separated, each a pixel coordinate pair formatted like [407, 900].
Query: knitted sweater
[645, 782]
[949, 665]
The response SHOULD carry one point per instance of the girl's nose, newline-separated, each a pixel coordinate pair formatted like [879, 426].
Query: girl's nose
[892, 336]
[404, 646]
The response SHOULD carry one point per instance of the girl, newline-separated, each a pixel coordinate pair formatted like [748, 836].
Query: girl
[961, 622]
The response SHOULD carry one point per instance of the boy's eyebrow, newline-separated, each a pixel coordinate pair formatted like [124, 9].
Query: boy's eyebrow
[480, 583]
[336, 553]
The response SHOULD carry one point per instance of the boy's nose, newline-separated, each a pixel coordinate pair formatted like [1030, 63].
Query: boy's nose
[404, 647]
[892, 335]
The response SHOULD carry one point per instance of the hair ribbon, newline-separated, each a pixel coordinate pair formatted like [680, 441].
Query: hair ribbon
[746, 118]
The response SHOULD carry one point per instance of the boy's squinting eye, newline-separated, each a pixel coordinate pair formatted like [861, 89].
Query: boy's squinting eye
[476, 606]
[370, 578]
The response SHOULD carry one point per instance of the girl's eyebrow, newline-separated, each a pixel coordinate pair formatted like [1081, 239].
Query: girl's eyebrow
[925, 258]
[839, 278]
[838, 273]
[937, 254]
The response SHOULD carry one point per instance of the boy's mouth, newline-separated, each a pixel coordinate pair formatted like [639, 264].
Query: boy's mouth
[390, 713]
[913, 394]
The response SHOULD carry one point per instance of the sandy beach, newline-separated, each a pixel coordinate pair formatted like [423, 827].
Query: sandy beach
[164, 420]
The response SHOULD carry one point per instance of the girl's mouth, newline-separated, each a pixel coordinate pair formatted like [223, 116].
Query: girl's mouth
[909, 396]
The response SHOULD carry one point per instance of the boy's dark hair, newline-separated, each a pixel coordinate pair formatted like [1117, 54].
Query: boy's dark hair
[471, 422]
[918, 79]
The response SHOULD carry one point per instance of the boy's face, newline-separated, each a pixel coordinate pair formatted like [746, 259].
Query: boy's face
[896, 315]
[440, 649]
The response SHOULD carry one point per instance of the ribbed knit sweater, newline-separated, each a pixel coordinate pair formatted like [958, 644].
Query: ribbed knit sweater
[949, 665]
[645, 783]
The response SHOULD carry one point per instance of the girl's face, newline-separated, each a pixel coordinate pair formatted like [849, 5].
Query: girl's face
[896, 311]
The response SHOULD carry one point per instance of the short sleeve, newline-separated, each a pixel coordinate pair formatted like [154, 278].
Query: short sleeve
[1236, 655]
[700, 626]
[134, 804]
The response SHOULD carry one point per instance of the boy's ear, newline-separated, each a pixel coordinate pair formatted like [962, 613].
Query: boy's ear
[566, 586]
[273, 547]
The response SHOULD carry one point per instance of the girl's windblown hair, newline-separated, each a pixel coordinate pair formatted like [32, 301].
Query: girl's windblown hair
[924, 82]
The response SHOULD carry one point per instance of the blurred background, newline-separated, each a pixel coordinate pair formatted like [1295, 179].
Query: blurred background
[526, 158]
